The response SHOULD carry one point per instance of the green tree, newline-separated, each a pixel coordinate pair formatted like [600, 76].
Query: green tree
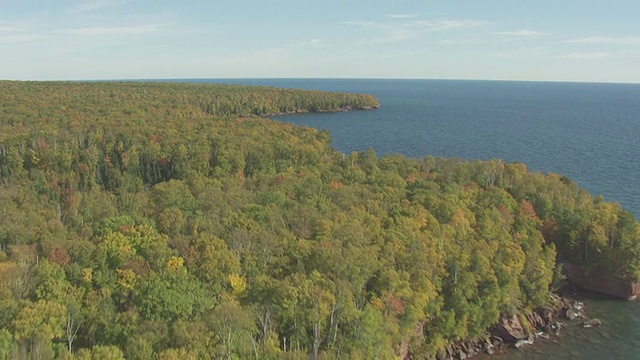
[37, 325]
[234, 328]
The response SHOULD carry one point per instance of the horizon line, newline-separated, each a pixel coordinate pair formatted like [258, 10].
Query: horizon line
[173, 79]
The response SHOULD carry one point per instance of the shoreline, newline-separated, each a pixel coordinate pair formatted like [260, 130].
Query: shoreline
[544, 323]
[305, 111]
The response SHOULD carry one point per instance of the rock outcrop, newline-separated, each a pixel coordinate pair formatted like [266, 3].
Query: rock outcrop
[600, 283]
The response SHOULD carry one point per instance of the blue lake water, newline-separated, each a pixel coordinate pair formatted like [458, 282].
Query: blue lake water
[589, 132]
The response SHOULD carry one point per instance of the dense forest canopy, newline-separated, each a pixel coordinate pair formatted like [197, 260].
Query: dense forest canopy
[171, 221]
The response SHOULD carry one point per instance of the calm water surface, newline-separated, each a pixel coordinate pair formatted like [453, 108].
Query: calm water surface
[590, 132]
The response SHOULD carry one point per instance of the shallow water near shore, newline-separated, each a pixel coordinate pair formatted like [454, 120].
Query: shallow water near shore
[617, 338]
[589, 132]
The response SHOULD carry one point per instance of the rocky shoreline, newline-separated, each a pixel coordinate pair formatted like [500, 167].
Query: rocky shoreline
[517, 331]
[340, 109]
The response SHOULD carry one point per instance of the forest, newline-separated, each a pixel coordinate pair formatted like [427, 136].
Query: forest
[173, 221]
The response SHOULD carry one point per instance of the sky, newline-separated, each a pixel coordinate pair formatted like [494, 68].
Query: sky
[540, 40]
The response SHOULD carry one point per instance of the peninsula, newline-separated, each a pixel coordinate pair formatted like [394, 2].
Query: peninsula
[173, 221]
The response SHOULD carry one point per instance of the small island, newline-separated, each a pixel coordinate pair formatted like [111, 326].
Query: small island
[173, 221]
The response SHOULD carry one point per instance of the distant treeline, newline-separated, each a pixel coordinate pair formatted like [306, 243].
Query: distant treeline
[171, 221]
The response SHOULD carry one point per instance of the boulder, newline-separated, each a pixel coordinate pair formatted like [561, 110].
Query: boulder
[510, 329]
[548, 314]
[521, 343]
[591, 323]
[571, 314]
[488, 347]
[497, 342]
[462, 355]
[558, 302]
[535, 320]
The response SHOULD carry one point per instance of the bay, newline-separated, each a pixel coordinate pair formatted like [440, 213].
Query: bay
[587, 131]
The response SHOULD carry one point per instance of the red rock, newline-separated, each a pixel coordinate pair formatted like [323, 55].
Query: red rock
[510, 329]
[600, 283]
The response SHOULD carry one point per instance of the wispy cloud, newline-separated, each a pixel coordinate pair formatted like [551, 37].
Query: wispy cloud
[448, 24]
[313, 42]
[584, 55]
[466, 41]
[528, 53]
[628, 40]
[394, 35]
[523, 33]
[421, 25]
[411, 29]
[5, 28]
[306, 44]
[94, 5]
[19, 38]
[401, 16]
[310, 43]
[56, 51]
[14, 33]
[360, 23]
[118, 30]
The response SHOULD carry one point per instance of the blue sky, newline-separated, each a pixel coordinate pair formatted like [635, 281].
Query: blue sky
[559, 40]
